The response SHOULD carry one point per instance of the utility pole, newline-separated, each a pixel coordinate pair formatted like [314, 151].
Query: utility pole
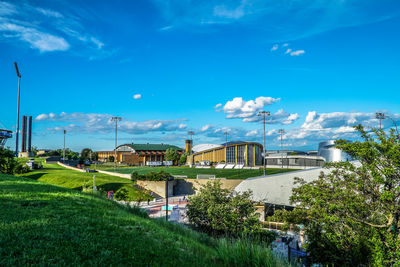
[281, 132]
[380, 116]
[19, 85]
[116, 120]
[264, 114]
[65, 132]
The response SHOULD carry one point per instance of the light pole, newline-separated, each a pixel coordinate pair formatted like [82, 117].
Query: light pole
[264, 114]
[19, 84]
[65, 132]
[380, 116]
[281, 132]
[116, 120]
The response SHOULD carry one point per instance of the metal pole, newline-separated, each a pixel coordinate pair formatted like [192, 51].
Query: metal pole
[115, 149]
[166, 199]
[19, 87]
[64, 147]
[264, 145]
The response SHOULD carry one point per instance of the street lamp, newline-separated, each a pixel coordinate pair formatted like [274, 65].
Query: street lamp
[116, 120]
[264, 114]
[65, 132]
[19, 84]
[281, 132]
[380, 116]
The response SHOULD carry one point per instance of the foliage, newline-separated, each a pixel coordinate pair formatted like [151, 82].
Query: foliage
[122, 194]
[151, 176]
[111, 158]
[9, 164]
[183, 159]
[220, 211]
[351, 215]
[172, 155]
[43, 224]
[86, 154]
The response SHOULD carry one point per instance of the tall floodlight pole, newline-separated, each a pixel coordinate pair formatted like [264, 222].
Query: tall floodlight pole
[116, 120]
[65, 132]
[380, 116]
[191, 133]
[19, 84]
[264, 114]
[281, 132]
[226, 145]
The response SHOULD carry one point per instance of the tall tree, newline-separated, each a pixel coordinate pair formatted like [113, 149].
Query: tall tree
[351, 215]
[86, 154]
[171, 155]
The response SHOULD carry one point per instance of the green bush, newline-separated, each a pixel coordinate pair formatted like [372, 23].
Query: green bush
[9, 164]
[151, 176]
[121, 194]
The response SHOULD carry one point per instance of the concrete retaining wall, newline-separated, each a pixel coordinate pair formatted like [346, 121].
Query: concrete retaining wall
[184, 186]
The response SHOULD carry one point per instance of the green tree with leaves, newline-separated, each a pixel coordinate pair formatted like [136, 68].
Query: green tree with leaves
[351, 214]
[183, 159]
[221, 211]
[86, 154]
[172, 155]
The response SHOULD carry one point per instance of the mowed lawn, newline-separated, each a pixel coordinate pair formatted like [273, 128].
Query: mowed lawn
[47, 225]
[192, 172]
[57, 175]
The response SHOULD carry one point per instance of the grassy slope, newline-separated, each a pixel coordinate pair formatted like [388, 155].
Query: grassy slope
[57, 175]
[192, 172]
[42, 224]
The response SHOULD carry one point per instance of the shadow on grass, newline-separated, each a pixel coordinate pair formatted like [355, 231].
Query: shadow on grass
[34, 176]
[105, 187]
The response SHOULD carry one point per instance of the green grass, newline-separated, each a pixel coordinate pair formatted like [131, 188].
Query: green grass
[42, 224]
[57, 175]
[192, 172]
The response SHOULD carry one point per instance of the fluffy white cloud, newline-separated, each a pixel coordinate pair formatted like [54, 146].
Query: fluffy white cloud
[137, 96]
[238, 108]
[274, 47]
[297, 53]
[206, 127]
[288, 51]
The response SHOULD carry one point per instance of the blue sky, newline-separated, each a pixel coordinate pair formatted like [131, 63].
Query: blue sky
[167, 67]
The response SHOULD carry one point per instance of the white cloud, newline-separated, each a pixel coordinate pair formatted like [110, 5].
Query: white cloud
[182, 126]
[286, 44]
[229, 13]
[218, 105]
[42, 117]
[206, 127]
[297, 53]
[48, 30]
[274, 47]
[137, 96]
[288, 51]
[238, 108]
[43, 41]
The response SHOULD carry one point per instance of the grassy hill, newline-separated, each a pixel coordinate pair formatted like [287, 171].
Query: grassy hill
[57, 175]
[42, 224]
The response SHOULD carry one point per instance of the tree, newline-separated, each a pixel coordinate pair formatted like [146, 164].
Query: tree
[171, 155]
[183, 159]
[221, 211]
[86, 154]
[111, 158]
[351, 215]
[9, 164]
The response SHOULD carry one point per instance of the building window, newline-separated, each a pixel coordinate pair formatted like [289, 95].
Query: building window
[241, 150]
[230, 154]
[250, 155]
[258, 152]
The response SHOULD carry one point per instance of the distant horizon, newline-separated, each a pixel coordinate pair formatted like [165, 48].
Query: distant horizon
[169, 67]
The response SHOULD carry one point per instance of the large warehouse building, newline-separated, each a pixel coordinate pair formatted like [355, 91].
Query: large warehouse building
[233, 154]
[139, 154]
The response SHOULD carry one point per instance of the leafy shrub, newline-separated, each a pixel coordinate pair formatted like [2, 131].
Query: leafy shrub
[121, 194]
[9, 164]
[219, 211]
[151, 176]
